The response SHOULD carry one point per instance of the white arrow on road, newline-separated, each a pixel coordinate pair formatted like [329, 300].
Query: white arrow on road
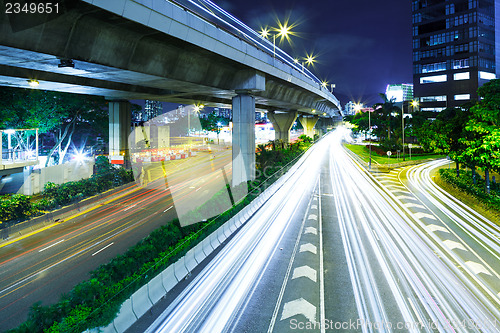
[311, 230]
[433, 227]
[477, 268]
[453, 245]
[308, 247]
[299, 306]
[421, 215]
[305, 271]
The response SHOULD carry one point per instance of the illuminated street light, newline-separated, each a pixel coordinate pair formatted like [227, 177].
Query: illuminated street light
[284, 31]
[324, 84]
[310, 59]
[414, 104]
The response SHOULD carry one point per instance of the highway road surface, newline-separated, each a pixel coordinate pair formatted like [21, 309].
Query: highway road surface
[41, 267]
[338, 249]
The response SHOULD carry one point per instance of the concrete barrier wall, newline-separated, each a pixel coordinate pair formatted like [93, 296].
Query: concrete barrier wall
[35, 180]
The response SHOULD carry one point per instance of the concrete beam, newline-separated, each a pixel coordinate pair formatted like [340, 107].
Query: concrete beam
[243, 138]
[282, 123]
[308, 125]
[120, 116]
[249, 81]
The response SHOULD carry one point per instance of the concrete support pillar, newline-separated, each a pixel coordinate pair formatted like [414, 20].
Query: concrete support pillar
[308, 124]
[119, 130]
[282, 123]
[243, 138]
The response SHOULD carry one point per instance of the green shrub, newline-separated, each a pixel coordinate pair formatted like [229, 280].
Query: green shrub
[96, 302]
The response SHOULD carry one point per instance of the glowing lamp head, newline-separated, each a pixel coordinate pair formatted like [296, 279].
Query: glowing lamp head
[414, 103]
[33, 83]
[79, 156]
[264, 32]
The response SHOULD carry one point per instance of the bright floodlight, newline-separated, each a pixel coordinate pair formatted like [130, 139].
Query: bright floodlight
[79, 157]
[414, 103]
[296, 60]
[358, 106]
[324, 84]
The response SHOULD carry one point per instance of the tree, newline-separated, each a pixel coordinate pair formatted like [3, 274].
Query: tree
[483, 139]
[57, 115]
[385, 110]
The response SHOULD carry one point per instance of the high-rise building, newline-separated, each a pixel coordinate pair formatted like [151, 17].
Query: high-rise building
[152, 109]
[456, 49]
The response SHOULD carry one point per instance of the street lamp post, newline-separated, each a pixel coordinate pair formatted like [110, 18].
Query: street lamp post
[358, 107]
[283, 31]
[370, 144]
[403, 126]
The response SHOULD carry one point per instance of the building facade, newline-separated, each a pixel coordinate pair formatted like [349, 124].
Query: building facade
[456, 49]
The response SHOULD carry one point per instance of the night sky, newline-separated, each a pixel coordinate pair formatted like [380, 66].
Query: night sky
[361, 45]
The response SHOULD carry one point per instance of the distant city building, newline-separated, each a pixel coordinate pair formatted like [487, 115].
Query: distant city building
[456, 49]
[399, 92]
[152, 109]
[222, 112]
[349, 108]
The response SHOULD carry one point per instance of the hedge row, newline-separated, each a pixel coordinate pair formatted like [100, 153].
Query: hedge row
[96, 302]
[16, 208]
[465, 183]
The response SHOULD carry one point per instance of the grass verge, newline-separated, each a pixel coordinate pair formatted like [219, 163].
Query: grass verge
[364, 153]
[458, 189]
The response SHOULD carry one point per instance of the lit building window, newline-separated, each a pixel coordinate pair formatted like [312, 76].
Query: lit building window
[487, 76]
[460, 63]
[433, 79]
[462, 97]
[441, 98]
[461, 76]
[432, 109]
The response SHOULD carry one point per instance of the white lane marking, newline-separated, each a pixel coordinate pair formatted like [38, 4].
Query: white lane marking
[311, 230]
[192, 186]
[299, 306]
[477, 268]
[375, 234]
[433, 227]
[313, 217]
[103, 248]
[199, 188]
[420, 321]
[414, 205]
[321, 267]
[305, 271]
[308, 247]
[48, 247]
[453, 245]
[169, 208]
[420, 215]
[314, 206]
[130, 207]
